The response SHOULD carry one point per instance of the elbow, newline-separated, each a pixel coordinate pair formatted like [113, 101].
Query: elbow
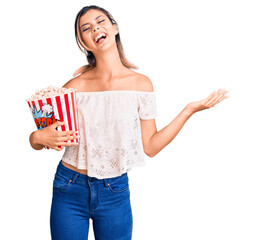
[150, 153]
[33, 143]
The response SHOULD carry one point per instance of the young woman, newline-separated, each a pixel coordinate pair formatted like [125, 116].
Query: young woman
[116, 114]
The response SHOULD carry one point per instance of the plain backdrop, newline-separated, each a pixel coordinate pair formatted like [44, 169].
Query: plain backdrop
[200, 186]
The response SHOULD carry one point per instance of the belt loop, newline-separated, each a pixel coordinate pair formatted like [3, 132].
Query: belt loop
[75, 177]
[106, 183]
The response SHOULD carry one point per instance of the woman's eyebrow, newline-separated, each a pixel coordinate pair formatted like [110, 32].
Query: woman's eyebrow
[94, 19]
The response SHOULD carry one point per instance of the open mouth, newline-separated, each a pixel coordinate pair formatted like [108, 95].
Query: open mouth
[100, 38]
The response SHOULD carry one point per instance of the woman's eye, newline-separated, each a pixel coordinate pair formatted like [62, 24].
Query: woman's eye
[85, 29]
[98, 22]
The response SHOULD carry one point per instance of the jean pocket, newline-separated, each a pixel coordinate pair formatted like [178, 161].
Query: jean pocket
[119, 185]
[61, 183]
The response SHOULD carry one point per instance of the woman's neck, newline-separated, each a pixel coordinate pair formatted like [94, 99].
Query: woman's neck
[108, 64]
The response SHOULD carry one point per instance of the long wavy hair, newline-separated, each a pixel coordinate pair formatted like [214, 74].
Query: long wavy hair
[89, 55]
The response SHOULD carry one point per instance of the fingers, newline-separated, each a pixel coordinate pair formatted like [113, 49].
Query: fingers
[63, 141]
[57, 124]
[209, 98]
[68, 135]
[216, 97]
[221, 99]
[65, 137]
[61, 145]
[57, 148]
[221, 95]
[69, 138]
[211, 95]
[67, 144]
[213, 98]
[65, 133]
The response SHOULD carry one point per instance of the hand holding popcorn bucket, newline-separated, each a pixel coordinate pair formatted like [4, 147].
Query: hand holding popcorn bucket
[53, 104]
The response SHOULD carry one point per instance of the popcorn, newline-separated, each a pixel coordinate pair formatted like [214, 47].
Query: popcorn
[49, 92]
[53, 104]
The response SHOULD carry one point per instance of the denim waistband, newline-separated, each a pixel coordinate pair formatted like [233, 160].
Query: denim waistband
[73, 175]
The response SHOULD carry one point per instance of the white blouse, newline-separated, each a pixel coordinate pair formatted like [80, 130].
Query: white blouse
[110, 133]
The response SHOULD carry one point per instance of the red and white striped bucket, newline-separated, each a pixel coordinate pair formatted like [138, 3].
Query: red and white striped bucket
[47, 111]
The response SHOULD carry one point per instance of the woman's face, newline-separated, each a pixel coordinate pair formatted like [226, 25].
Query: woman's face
[92, 24]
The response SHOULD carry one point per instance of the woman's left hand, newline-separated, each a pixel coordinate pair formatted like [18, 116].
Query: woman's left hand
[213, 99]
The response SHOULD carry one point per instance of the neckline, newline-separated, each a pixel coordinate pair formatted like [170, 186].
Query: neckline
[117, 91]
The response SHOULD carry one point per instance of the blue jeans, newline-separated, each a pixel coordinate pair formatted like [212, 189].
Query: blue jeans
[77, 197]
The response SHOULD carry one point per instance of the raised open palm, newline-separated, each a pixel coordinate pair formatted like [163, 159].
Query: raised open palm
[213, 99]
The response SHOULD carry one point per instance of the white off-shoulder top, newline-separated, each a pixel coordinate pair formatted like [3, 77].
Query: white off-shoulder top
[110, 133]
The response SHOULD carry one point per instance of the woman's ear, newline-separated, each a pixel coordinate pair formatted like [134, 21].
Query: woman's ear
[85, 47]
[115, 28]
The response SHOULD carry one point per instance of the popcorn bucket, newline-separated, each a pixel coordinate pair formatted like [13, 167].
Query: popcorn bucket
[49, 110]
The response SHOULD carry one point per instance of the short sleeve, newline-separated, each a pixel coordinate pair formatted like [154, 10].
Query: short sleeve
[147, 105]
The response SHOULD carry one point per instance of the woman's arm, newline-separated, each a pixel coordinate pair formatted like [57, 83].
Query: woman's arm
[159, 139]
[163, 137]
[52, 138]
[33, 139]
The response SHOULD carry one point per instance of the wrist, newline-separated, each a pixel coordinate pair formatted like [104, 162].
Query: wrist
[189, 111]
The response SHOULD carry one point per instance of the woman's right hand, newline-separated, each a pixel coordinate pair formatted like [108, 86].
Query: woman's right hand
[52, 138]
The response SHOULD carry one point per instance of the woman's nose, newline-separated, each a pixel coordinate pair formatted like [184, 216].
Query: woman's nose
[95, 28]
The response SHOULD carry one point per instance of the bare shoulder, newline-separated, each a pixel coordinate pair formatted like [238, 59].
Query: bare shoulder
[144, 83]
[72, 83]
[76, 82]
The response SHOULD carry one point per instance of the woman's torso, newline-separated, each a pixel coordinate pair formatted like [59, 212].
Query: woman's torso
[74, 168]
[87, 82]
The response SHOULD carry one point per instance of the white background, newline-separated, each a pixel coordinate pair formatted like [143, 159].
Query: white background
[200, 186]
